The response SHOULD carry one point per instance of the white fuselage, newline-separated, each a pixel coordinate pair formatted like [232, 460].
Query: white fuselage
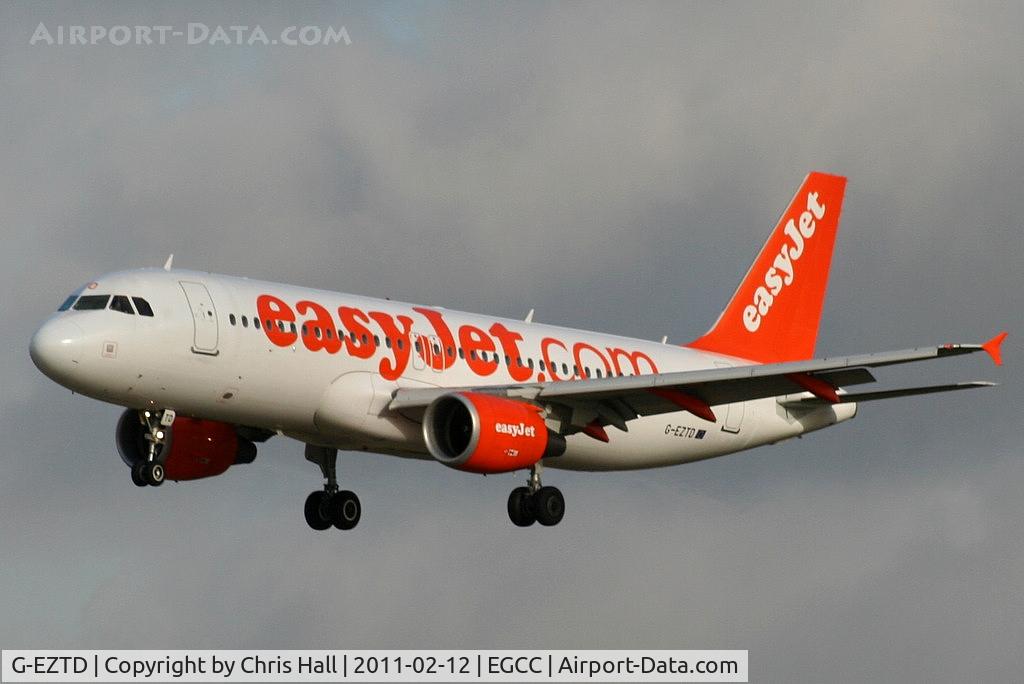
[195, 356]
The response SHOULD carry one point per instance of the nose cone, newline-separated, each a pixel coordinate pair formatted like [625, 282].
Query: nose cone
[56, 348]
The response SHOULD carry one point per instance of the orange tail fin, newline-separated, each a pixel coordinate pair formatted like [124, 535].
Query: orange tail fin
[774, 314]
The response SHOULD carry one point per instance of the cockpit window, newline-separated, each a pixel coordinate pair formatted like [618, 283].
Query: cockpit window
[143, 306]
[91, 302]
[121, 303]
[67, 303]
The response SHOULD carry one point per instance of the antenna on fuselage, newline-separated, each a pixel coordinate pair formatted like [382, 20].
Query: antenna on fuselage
[168, 263]
[529, 317]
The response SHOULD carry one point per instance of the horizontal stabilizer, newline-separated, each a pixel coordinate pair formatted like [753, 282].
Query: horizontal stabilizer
[874, 396]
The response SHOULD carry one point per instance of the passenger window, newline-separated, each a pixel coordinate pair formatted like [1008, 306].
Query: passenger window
[305, 331]
[256, 323]
[67, 303]
[142, 306]
[121, 303]
[91, 302]
[245, 322]
[231, 319]
[330, 333]
[401, 343]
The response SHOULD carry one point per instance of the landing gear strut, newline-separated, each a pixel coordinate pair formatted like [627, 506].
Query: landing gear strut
[151, 471]
[535, 503]
[330, 506]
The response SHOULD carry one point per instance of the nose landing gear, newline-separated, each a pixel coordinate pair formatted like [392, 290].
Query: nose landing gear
[330, 506]
[151, 470]
[535, 503]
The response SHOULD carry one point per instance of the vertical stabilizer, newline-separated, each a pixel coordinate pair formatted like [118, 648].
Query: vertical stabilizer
[774, 314]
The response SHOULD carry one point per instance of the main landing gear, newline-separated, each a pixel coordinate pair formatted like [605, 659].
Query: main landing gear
[330, 506]
[151, 470]
[535, 503]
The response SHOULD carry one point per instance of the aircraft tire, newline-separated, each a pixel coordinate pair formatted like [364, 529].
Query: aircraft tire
[520, 507]
[344, 510]
[314, 506]
[153, 473]
[549, 505]
[138, 479]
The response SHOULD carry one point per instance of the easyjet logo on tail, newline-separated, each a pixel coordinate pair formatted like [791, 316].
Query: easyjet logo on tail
[793, 264]
[783, 269]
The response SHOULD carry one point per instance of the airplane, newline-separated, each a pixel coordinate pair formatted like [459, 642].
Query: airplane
[208, 366]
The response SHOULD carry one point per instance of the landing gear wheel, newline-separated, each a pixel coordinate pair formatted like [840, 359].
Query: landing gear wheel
[344, 510]
[137, 477]
[549, 505]
[520, 507]
[153, 474]
[315, 505]
[331, 506]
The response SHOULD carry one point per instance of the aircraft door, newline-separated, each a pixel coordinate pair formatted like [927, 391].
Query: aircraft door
[437, 359]
[204, 317]
[420, 354]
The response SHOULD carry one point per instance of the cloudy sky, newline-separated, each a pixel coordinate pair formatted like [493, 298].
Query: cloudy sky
[616, 167]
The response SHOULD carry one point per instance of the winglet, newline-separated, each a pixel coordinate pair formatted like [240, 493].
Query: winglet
[168, 263]
[992, 348]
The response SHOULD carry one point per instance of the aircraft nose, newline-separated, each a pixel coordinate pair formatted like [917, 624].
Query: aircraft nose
[56, 347]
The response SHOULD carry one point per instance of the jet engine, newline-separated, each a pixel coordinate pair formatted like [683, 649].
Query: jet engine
[193, 448]
[481, 433]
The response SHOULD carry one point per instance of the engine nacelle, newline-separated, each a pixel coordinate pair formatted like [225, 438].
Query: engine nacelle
[193, 448]
[481, 433]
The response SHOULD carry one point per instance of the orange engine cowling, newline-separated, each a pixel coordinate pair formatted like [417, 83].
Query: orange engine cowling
[194, 448]
[481, 433]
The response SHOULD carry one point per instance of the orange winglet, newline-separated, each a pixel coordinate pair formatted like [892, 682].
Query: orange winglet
[993, 348]
[699, 408]
[595, 431]
[815, 386]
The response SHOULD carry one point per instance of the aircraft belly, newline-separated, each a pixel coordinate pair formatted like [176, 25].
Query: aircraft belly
[675, 438]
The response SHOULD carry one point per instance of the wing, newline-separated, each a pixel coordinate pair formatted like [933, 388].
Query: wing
[593, 403]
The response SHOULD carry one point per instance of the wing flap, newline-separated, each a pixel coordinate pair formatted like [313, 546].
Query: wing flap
[888, 394]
